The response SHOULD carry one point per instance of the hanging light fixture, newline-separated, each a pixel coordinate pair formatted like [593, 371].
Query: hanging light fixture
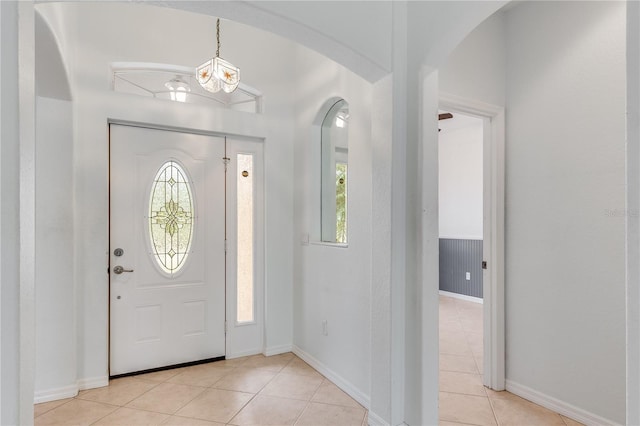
[178, 89]
[216, 73]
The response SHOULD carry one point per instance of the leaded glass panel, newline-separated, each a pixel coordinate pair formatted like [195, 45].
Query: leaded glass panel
[171, 217]
[245, 239]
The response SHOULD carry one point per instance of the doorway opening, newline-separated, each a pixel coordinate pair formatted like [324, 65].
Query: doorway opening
[470, 210]
[460, 198]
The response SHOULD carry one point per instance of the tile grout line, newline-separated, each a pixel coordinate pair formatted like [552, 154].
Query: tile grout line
[97, 420]
[260, 390]
[56, 407]
[252, 398]
[493, 410]
[132, 399]
[158, 384]
[295, 422]
[475, 363]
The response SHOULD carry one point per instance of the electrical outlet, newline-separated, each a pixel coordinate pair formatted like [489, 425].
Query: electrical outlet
[468, 276]
[325, 331]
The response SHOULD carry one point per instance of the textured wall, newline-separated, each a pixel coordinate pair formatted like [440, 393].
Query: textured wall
[565, 203]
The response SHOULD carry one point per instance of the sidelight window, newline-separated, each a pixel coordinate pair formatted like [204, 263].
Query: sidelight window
[245, 287]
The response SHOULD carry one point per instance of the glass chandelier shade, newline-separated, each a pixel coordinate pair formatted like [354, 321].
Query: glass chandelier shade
[217, 74]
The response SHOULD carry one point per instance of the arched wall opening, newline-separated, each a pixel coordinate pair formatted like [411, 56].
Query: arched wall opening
[188, 38]
[429, 45]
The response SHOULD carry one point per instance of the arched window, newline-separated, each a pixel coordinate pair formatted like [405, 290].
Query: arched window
[334, 173]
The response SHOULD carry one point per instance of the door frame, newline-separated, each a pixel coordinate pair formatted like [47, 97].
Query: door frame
[260, 237]
[239, 145]
[493, 231]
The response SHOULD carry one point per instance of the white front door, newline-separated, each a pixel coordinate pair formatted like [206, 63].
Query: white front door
[167, 253]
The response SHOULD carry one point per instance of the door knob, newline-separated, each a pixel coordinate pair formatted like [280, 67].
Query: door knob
[119, 269]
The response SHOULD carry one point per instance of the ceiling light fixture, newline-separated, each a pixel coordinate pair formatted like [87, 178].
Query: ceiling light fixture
[216, 73]
[178, 89]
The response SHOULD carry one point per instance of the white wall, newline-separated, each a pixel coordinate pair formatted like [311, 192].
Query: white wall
[333, 283]
[476, 69]
[565, 245]
[460, 180]
[9, 217]
[55, 287]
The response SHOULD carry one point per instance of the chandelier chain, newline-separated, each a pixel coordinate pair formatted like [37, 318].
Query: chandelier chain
[218, 38]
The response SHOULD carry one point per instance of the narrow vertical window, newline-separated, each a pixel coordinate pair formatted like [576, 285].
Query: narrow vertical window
[245, 288]
[334, 155]
[170, 217]
[341, 203]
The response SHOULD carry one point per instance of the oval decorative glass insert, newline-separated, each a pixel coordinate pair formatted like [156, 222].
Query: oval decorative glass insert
[171, 217]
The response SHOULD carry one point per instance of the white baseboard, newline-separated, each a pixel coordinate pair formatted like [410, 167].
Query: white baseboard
[338, 380]
[93, 382]
[55, 394]
[375, 420]
[561, 407]
[277, 350]
[462, 297]
[243, 353]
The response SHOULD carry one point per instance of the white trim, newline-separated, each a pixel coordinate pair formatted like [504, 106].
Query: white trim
[632, 220]
[26, 209]
[120, 67]
[242, 353]
[329, 244]
[55, 394]
[493, 242]
[337, 380]
[561, 407]
[93, 382]
[462, 297]
[277, 350]
[71, 390]
[375, 420]
[1, 222]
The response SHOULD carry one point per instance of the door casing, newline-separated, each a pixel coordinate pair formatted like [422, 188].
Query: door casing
[259, 251]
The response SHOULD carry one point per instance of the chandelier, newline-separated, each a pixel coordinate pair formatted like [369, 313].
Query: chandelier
[216, 73]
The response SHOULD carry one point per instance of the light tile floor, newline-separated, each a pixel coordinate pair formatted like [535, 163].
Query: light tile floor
[256, 390]
[284, 390]
[463, 398]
